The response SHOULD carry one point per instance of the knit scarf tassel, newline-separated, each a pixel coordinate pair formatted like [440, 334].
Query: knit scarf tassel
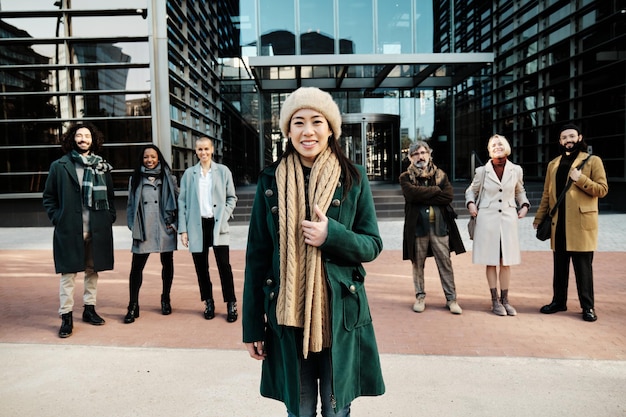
[303, 300]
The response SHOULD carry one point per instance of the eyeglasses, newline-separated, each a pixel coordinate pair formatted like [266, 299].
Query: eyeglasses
[420, 153]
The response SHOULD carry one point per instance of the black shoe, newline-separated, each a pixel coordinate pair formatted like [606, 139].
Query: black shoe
[209, 311]
[90, 316]
[166, 308]
[133, 313]
[589, 314]
[231, 306]
[552, 308]
[67, 324]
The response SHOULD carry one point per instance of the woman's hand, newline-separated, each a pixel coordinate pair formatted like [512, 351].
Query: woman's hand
[315, 233]
[473, 210]
[184, 238]
[256, 350]
[522, 212]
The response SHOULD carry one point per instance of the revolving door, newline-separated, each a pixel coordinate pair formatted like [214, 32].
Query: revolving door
[372, 140]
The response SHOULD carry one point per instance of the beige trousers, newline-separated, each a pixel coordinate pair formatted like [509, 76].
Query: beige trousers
[66, 288]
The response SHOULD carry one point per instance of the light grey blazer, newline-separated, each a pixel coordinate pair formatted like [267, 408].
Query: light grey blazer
[224, 201]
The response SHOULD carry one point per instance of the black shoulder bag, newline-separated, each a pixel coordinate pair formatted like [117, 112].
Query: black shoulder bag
[544, 230]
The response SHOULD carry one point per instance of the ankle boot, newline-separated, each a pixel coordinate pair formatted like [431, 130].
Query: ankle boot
[166, 307]
[90, 316]
[231, 307]
[67, 324]
[504, 299]
[209, 310]
[133, 313]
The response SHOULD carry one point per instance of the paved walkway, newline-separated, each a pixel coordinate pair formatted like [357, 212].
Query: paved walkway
[434, 363]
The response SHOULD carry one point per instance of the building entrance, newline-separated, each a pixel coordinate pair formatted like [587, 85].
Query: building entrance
[372, 140]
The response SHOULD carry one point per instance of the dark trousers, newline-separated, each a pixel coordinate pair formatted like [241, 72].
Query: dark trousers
[136, 274]
[222, 258]
[583, 271]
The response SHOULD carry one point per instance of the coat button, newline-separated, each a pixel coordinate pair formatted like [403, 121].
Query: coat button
[269, 282]
[272, 295]
[269, 193]
[274, 210]
[352, 288]
[336, 202]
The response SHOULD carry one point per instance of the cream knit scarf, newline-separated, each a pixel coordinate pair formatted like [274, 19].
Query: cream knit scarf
[302, 300]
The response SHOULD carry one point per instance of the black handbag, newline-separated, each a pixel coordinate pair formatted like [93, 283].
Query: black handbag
[544, 229]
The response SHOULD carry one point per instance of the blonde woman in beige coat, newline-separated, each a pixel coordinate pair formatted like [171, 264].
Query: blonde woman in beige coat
[500, 184]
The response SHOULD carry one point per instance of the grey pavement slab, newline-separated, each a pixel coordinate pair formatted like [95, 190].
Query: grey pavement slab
[95, 381]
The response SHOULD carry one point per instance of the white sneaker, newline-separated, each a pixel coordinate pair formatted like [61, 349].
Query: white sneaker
[454, 307]
[420, 305]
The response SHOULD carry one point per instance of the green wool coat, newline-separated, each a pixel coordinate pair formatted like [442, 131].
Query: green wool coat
[353, 238]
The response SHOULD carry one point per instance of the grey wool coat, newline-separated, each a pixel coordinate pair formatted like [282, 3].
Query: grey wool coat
[224, 202]
[158, 237]
[497, 222]
[353, 238]
[62, 200]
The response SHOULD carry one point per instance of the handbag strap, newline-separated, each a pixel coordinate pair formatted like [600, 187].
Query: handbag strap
[567, 185]
[480, 190]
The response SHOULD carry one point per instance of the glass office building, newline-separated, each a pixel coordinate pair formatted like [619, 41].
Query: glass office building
[169, 71]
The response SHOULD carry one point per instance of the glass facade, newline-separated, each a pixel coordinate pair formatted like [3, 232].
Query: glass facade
[449, 72]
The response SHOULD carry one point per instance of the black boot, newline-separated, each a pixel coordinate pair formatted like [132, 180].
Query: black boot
[133, 313]
[231, 306]
[90, 316]
[67, 324]
[209, 311]
[166, 307]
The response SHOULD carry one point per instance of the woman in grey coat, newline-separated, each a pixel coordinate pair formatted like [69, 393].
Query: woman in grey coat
[493, 197]
[151, 213]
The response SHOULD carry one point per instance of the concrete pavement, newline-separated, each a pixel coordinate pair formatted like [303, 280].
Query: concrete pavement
[434, 363]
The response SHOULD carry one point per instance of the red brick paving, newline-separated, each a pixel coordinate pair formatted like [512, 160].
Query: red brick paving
[29, 303]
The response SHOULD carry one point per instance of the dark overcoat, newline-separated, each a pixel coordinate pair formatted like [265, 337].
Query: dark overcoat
[64, 204]
[418, 198]
[353, 238]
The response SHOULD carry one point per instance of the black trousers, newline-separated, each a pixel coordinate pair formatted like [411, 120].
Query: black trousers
[583, 271]
[222, 258]
[136, 274]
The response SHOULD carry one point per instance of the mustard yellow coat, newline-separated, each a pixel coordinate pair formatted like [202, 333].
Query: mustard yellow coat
[581, 203]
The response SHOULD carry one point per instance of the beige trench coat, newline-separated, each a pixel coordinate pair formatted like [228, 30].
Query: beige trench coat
[497, 222]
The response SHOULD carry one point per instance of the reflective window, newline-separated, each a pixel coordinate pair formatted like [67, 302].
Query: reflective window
[394, 27]
[316, 27]
[277, 21]
[423, 24]
[356, 25]
[248, 28]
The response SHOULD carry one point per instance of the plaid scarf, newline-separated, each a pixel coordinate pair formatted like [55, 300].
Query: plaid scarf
[94, 186]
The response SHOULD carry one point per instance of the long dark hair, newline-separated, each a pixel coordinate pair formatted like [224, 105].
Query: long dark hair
[68, 144]
[136, 178]
[351, 174]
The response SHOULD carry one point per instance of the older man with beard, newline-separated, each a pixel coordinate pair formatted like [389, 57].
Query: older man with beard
[429, 227]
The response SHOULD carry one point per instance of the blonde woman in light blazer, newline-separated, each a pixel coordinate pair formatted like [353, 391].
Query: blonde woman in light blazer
[500, 184]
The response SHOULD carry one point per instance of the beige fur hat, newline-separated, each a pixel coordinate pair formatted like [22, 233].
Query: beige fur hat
[311, 98]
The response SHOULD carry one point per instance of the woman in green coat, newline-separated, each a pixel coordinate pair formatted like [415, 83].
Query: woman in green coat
[313, 224]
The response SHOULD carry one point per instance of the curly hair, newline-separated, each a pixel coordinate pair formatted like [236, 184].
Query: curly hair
[69, 144]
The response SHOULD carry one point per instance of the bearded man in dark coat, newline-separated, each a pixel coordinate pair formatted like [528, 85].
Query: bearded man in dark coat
[79, 200]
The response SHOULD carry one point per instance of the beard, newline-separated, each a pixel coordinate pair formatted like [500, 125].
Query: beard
[421, 164]
[578, 146]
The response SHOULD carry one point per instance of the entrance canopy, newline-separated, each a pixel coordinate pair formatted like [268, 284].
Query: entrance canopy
[354, 71]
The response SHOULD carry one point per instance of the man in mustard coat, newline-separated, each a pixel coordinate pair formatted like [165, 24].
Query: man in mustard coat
[575, 224]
